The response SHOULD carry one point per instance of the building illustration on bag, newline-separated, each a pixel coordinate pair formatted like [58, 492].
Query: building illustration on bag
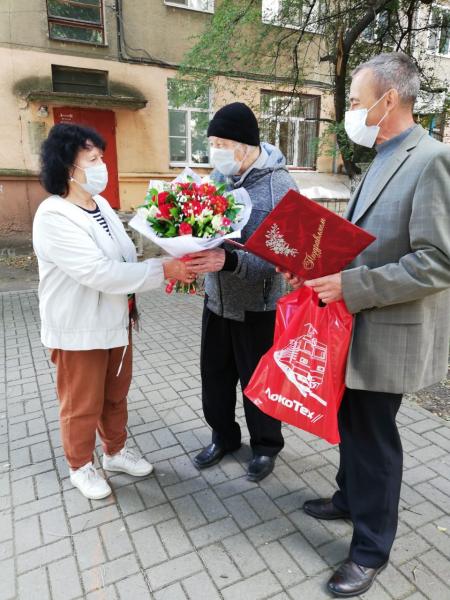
[303, 361]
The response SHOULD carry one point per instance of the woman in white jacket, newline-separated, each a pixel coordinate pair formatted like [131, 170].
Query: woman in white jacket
[88, 276]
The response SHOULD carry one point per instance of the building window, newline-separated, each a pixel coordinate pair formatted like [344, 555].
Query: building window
[200, 5]
[80, 81]
[189, 114]
[76, 21]
[378, 29]
[293, 14]
[439, 38]
[291, 123]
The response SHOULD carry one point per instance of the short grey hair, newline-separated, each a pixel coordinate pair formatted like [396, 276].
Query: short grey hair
[394, 70]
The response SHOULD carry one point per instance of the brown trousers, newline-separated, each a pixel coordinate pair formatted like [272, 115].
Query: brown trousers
[92, 397]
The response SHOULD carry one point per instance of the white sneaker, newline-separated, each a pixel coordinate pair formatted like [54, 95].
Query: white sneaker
[89, 482]
[128, 461]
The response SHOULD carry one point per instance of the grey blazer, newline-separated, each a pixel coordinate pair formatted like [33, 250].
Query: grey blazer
[399, 287]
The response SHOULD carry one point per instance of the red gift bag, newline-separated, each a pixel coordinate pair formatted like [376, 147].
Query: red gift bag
[301, 379]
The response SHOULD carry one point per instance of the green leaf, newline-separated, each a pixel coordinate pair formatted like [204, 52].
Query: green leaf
[231, 214]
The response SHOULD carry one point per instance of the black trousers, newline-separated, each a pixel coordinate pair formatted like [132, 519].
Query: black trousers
[230, 351]
[370, 472]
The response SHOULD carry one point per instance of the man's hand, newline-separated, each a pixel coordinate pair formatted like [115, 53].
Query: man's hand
[294, 281]
[329, 288]
[208, 261]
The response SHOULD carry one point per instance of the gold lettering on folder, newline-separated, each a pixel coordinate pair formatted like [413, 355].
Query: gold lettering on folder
[310, 259]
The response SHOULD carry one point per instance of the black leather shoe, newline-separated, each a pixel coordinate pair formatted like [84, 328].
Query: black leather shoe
[352, 579]
[323, 508]
[209, 456]
[259, 467]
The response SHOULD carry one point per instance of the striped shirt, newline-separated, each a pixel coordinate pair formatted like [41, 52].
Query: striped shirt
[97, 215]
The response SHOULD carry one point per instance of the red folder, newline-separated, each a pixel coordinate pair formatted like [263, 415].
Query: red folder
[302, 237]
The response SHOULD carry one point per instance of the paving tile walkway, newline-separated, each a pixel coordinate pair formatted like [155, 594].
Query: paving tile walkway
[181, 534]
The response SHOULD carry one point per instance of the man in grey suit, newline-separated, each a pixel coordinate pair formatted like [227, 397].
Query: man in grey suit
[398, 290]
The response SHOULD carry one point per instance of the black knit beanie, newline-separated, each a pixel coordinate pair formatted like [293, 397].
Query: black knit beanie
[236, 122]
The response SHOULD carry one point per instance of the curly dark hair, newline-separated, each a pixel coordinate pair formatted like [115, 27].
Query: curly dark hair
[59, 151]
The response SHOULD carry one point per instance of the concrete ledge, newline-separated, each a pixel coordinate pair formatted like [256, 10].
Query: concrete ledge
[88, 100]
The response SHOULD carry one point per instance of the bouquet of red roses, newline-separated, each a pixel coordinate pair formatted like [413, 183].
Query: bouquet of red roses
[191, 214]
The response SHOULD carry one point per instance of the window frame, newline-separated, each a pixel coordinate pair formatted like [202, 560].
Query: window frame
[188, 110]
[438, 32]
[78, 23]
[296, 120]
[275, 21]
[63, 69]
[208, 11]
[374, 39]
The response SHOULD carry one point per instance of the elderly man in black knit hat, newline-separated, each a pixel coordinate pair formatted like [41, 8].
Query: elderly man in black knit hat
[241, 294]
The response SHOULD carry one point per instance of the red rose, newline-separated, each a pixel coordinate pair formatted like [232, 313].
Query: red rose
[187, 189]
[164, 211]
[162, 198]
[185, 229]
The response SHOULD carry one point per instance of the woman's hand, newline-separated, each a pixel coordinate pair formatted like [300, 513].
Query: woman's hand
[294, 281]
[178, 269]
[208, 261]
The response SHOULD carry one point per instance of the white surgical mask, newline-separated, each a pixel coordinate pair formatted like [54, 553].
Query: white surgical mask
[223, 160]
[357, 129]
[96, 179]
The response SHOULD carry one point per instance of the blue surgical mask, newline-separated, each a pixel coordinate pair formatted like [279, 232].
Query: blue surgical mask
[224, 161]
[96, 179]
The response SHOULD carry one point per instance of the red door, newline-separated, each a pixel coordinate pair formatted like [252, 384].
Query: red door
[103, 121]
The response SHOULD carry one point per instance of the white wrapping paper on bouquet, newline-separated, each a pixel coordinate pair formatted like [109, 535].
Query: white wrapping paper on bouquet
[186, 244]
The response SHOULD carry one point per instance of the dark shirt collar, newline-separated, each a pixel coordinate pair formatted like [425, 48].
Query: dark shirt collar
[392, 144]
